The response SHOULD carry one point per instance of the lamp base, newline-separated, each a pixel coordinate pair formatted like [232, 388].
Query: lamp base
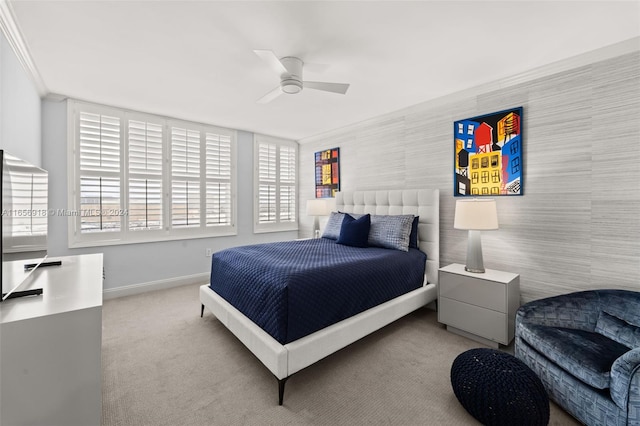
[475, 271]
[316, 227]
[474, 253]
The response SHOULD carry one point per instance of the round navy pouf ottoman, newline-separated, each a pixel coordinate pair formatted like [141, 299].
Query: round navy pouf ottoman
[498, 389]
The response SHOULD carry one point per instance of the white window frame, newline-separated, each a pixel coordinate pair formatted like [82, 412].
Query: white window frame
[125, 235]
[278, 225]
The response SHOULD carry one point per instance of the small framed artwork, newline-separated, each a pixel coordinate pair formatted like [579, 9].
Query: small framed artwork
[327, 165]
[488, 154]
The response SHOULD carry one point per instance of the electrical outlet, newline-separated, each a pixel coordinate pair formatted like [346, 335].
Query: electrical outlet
[208, 252]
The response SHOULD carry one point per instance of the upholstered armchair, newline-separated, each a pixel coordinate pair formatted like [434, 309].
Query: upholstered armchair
[585, 347]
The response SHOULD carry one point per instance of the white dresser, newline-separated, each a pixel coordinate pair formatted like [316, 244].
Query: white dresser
[479, 306]
[50, 345]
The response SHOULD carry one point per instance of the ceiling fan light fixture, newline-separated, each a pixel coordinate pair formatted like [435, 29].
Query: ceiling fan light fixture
[291, 86]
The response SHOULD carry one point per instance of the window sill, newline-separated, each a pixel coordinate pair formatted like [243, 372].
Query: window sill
[148, 239]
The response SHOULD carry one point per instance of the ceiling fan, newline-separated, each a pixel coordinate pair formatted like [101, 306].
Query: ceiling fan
[290, 70]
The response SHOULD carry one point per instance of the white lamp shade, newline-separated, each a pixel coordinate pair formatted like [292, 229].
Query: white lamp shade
[476, 214]
[318, 207]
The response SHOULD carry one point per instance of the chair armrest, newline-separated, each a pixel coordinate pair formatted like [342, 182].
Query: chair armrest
[575, 310]
[625, 380]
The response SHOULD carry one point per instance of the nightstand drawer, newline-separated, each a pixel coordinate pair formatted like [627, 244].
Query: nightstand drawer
[473, 319]
[474, 291]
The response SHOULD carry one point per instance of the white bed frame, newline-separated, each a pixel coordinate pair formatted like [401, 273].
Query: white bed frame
[285, 360]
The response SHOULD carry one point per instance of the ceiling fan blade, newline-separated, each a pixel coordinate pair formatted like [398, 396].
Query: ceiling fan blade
[270, 58]
[270, 96]
[327, 87]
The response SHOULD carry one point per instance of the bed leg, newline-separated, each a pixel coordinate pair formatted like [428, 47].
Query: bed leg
[281, 383]
[201, 311]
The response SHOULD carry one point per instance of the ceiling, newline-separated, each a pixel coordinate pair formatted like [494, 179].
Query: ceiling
[194, 60]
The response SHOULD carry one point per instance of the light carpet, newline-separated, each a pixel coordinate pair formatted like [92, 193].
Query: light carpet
[164, 365]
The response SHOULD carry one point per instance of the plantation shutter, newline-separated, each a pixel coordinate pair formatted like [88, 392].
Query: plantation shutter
[287, 184]
[185, 178]
[267, 170]
[99, 148]
[276, 174]
[218, 179]
[145, 175]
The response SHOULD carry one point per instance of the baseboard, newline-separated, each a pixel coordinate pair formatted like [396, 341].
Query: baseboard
[128, 290]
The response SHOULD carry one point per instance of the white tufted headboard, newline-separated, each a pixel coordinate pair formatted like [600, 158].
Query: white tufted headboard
[419, 202]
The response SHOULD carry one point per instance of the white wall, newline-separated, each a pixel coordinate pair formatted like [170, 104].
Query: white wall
[19, 108]
[577, 226]
[134, 264]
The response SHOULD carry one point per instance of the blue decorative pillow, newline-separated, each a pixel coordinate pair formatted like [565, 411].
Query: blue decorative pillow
[355, 232]
[413, 236]
[391, 231]
[332, 229]
[618, 330]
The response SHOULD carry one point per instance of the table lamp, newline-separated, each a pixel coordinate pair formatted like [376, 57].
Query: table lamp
[317, 207]
[475, 215]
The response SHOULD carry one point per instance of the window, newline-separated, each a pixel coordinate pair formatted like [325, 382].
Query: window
[145, 175]
[99, 164]
[515, 165]
[276, 183]
[138, 177]
[185, 178]
[514, 147]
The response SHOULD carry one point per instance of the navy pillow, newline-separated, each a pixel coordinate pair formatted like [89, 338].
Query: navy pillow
[413, 236]
[355, 232]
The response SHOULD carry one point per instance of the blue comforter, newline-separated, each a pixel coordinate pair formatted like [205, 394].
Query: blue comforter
[294, 288]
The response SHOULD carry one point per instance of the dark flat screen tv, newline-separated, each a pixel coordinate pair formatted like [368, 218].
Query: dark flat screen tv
[24, 220]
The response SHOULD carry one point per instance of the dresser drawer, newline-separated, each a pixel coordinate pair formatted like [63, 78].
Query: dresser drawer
[473, 319]
[474, 291]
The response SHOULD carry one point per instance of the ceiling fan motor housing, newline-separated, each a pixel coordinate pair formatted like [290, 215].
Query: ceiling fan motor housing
[291, 81]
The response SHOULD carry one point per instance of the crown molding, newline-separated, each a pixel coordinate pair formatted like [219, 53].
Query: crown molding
[14, 37]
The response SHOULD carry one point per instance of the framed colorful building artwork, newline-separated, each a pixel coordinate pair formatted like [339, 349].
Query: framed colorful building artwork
[327, 172]
[488, 154]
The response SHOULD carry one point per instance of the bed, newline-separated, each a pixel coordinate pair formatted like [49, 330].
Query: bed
[285, 351]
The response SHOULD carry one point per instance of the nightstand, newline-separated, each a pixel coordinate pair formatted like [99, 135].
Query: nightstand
[479, 306]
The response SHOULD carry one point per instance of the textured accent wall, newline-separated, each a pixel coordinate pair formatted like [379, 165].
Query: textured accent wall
[577, 226]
